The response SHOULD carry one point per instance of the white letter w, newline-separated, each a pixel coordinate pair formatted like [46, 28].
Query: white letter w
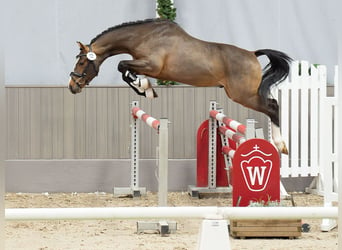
[254, 172]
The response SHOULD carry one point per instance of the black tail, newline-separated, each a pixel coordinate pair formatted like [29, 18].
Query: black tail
[275, 71]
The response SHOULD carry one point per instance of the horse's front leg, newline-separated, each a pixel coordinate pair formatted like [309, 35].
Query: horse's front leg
[140, 86]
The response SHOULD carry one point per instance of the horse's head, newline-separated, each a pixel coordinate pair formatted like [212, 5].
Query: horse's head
[85, 70]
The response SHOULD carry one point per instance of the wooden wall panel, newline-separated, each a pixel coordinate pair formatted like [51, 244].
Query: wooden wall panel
[68, 107]
[46, 121]
[35, 126]
[13, 124]
[101, 123]
[24, 125]
[79, 129]
[90, 122]
[58, 124]
[51, 123]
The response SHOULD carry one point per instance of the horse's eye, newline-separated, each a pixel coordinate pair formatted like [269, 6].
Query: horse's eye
[81, 63]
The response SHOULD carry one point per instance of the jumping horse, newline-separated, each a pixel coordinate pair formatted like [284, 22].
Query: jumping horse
[162, 49]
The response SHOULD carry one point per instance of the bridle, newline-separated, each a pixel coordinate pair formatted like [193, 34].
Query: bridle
[91, 57]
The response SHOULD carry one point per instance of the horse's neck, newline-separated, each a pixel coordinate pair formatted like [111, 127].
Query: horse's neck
[114, 43]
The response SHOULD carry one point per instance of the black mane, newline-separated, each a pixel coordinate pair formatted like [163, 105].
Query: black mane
[128, 24]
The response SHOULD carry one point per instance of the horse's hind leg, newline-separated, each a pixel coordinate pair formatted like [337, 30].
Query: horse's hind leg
[271, 109]
[142, 86]
[273, 113]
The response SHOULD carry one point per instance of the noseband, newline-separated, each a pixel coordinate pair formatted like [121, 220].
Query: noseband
[91, 56]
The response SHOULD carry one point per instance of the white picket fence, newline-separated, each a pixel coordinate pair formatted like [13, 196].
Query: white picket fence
[309, 126]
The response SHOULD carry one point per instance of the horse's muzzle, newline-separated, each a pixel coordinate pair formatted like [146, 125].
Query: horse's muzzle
[73, 87]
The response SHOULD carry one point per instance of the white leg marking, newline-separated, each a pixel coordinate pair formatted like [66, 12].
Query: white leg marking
[276, 135]
[278, 140]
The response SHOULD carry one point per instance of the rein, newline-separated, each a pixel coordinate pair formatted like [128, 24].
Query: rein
[91, 57]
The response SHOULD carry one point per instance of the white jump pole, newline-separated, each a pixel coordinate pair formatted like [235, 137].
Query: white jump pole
[170, 212]
[163, 162]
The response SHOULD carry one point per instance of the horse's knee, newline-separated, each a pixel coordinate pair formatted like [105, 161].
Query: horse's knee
[122, 67]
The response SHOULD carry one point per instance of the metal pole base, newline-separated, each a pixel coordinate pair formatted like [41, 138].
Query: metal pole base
[195, 192]
[127, 191]
[164, 228]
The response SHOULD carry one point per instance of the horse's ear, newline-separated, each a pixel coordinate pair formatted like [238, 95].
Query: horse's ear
[82, 47]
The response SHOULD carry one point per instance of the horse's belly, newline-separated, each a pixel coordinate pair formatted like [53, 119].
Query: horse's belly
[192, 73]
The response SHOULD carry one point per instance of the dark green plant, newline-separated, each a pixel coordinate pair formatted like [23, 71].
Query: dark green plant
[166, 10]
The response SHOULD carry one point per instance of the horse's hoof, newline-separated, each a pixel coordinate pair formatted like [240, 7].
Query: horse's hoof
[283, 148]
[285, 151]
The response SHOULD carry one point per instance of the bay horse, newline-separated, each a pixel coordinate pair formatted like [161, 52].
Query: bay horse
[162, 49]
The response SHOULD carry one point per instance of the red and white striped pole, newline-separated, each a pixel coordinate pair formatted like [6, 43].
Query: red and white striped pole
[232, 135]
[228, 151]
[149, 120]
[228, 122]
